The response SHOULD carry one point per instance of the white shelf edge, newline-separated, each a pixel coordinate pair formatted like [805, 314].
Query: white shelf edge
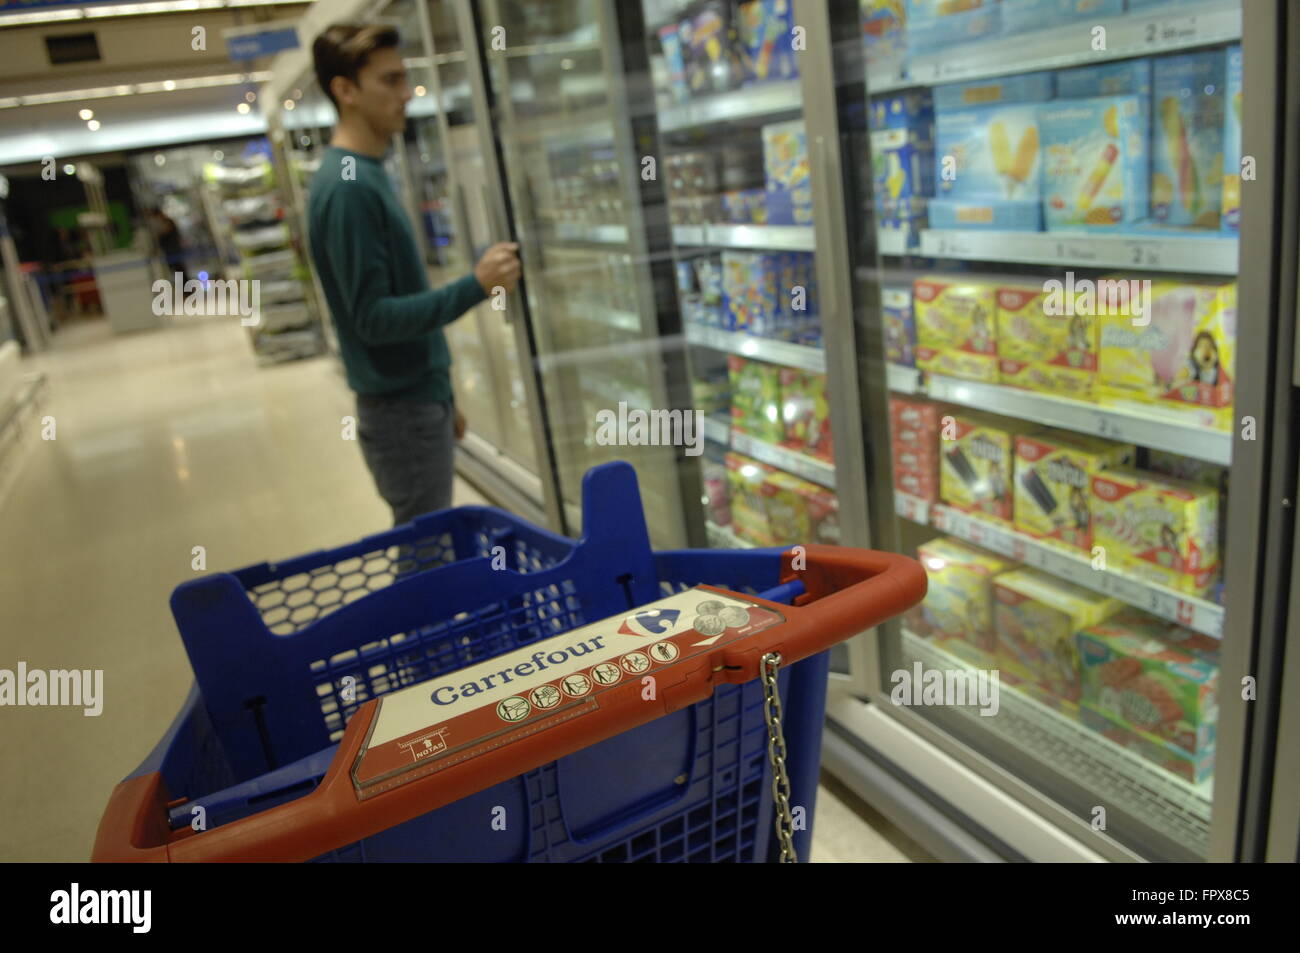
[760, 349]
[747, 102]
[1156, 31]
[1190, 611]
[791, 461]
[746, 237]
[1211, 254]
[1139, 426]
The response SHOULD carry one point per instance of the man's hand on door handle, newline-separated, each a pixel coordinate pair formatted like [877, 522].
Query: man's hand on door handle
[499, 268]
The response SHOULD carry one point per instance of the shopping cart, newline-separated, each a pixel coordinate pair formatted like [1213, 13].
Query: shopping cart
[266, 759]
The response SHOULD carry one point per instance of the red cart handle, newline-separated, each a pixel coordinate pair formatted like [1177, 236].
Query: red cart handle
[846, 592]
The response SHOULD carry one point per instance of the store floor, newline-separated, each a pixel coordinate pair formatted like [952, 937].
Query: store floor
[166, 441]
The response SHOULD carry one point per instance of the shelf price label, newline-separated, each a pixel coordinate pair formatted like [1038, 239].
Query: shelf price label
[1176, 30]
[1141, 254]
[1104, 425]
[911, 508]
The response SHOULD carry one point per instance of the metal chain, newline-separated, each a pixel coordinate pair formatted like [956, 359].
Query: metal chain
[776, 755]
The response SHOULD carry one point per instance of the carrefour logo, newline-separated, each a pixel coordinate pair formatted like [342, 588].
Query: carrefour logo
[650, 622]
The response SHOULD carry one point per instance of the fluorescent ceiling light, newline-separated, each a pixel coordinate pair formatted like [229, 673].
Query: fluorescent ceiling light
[132, 9]
[104, 92]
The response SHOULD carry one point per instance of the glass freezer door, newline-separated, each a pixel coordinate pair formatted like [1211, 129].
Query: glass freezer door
[1058, 374]
[572, 177]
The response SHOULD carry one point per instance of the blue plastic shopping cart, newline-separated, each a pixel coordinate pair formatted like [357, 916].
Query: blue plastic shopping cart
[284, 655]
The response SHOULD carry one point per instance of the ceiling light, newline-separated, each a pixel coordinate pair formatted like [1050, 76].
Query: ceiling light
[420, 90]
[87, 114]
[288, 104]
[69, 169]
[159, 158]
[243, 108]
[93, 124]
[250, 96]
[169, 84]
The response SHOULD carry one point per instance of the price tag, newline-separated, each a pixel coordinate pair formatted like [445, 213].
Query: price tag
[1186, 612]
[1017, 549]
[1141, 254]
[1180, 30]
[1107, 426]
[940, 519]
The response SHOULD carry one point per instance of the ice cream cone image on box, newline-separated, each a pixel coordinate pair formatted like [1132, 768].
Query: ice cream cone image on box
[1180, 155]
[894, 181]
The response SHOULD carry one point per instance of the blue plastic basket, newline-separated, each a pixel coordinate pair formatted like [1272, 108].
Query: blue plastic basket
[261, 724]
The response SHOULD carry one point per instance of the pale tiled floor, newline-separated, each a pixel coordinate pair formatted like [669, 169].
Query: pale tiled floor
[165, 441]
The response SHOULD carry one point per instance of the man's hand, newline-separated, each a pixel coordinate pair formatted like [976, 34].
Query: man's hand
[499, 267]
[460, 425]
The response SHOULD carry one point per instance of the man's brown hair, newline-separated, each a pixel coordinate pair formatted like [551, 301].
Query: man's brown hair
[344, 48]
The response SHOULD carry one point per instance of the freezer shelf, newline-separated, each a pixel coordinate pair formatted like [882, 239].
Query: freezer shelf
[761, 349]
[1143, 426]
[1164, 29]
[801, 465]
[749, 102]
[1187, 610]
[591, 234]
[1209, 254]
[776, 237]
[1169, 804]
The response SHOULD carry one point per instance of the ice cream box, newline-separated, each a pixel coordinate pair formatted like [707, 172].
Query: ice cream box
[1168, 757]
[1053, 494]
[956, 330]
[1036, 617]
[959, 600]
[1021, 16]
[1044, 344]
[1017, 88]
[785, 173]
[745, 479]
[934, 25]
[1187, 138]
[1157, 528]
[1150, 685]
[756, 398]
[1232, 144]
[989, 154]
[977, 464]
[766, 50]
[1094, 162]
[799, 512]
[900, 325]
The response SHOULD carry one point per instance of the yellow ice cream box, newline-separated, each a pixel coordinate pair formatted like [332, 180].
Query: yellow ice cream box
[1179, 352]
[1157, 528]
[1035, 619]
[1053, 492]
[956, 333]
[959, 601]
[977, 459]
[1045, 343]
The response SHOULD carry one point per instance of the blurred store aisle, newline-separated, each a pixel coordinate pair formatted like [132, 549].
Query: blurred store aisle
[166, 441]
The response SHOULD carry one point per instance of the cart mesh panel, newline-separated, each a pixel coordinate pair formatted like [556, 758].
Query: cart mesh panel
[407, 658]
[289, 604]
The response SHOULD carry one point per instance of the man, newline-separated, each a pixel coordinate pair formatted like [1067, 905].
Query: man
[389, 322]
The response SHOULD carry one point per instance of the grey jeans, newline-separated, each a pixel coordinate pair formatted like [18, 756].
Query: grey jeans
[408, 446]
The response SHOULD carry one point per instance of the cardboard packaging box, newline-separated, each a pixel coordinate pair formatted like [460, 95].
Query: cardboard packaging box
[959, 601]
[900, 325]
[1053, 483]
[935, 25]
[766, 38]
[988, 168]
[1153, 684]
[799, 512]
[1094, 163]
[976, 468]
[1183, 356]
[1021, 16]
[1036, 617]
[755, 398]
[956, 329]
[786, 175]
[1187, 138]
[745, 479]
[749, 291]
[1055, 353]
[1232, 143]
[1157, 528]
[805, 413]
[1016, 88]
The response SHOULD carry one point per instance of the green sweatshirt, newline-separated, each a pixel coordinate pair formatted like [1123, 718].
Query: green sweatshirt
[389, 322]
